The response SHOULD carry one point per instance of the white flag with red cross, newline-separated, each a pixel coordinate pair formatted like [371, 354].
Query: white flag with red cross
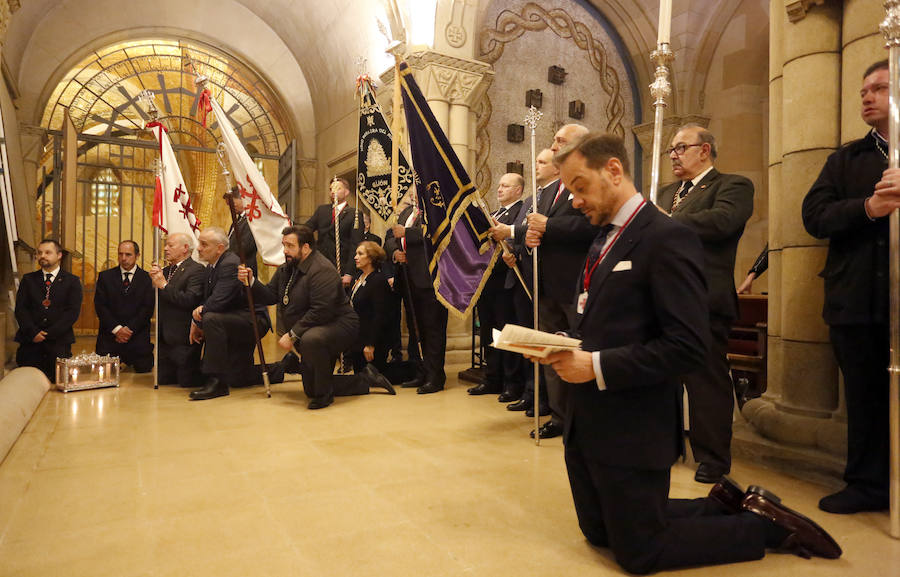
[172, 210]
[264, 214]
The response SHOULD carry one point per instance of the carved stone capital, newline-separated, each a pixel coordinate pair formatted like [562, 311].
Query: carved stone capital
[797, 9]
[448, 78]
[644, 132]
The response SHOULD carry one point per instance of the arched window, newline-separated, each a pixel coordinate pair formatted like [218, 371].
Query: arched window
[105, 193]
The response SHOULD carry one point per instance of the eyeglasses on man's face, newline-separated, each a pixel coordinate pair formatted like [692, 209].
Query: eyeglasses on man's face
[680, 149]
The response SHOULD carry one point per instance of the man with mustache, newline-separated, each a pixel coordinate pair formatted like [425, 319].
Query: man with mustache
[47, 305]
[314, 316]
[716, 206]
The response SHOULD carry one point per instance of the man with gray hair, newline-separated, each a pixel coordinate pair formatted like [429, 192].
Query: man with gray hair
[716, 206]
[180, 287]
[224, 320]
[564, 237]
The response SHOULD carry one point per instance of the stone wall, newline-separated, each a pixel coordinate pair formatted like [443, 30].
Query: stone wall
[522, 40]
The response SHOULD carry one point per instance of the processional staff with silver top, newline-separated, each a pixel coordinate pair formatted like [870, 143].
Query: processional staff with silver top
[661, 89]
[890, 27]
[531, 120]
[146, 96]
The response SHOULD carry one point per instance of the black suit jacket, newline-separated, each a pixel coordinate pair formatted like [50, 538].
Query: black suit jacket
[178, 299]
[564, 245]
[247, 244]
[856, 270]
[418, 251]
[650, 322]
[316, 296]
[59, 318]
[132, 309]
[372, 302]
[717, 208]
[224, 292]
[497, 279]
[321, 222]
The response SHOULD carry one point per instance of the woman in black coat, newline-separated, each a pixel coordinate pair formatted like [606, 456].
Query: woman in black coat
[370, 296]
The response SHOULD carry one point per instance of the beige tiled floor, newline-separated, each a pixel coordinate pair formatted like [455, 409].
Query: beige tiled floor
[133, 482]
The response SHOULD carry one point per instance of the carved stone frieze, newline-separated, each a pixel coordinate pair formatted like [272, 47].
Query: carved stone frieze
[797, 9]
[448, 78]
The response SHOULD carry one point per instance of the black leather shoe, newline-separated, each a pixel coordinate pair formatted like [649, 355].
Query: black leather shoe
[482, 389]
[413, 384]
[549, 430]
[520, 405]
[212, 389]
[506, 397]
[804, 537]
[319, 402]
[852, 499]
[709, 473]
[377, 380]
[545, 410]
[731, 496]
[429, 387]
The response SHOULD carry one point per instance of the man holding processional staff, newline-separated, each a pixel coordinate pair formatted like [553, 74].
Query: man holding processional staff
[338, 215]
[849, 204]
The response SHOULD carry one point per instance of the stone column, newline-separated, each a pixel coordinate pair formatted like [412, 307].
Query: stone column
[805, 100]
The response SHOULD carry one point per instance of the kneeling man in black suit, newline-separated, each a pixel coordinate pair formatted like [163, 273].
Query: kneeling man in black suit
[642, 315]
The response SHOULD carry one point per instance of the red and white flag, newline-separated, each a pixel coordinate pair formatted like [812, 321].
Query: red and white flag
[172, 210]
[264, 214]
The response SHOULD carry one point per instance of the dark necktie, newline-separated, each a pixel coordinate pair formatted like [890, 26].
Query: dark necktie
[126, 282]
[597, 246]
[682, 192]
[49, 280]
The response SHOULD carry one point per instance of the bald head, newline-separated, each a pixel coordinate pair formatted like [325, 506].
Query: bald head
[510, 187]
[544, 169]
[567, 134]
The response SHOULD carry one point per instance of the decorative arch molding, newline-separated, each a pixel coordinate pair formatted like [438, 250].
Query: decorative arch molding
[510, 26]
[715, 28]
[46, 39]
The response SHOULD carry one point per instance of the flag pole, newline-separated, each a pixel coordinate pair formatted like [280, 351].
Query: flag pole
[660, 90]
[890, 27]
[336, 217]
[396, 104]
[503, 246]
[531, 120]
[153, 112]
[220, 156]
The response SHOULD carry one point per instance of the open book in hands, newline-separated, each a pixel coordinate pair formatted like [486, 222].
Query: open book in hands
[525, 341]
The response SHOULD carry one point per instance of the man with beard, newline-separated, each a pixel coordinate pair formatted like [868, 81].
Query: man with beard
[643, 318]
[47, 305]
[180, 287]
[314, 316]
[124, 303]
